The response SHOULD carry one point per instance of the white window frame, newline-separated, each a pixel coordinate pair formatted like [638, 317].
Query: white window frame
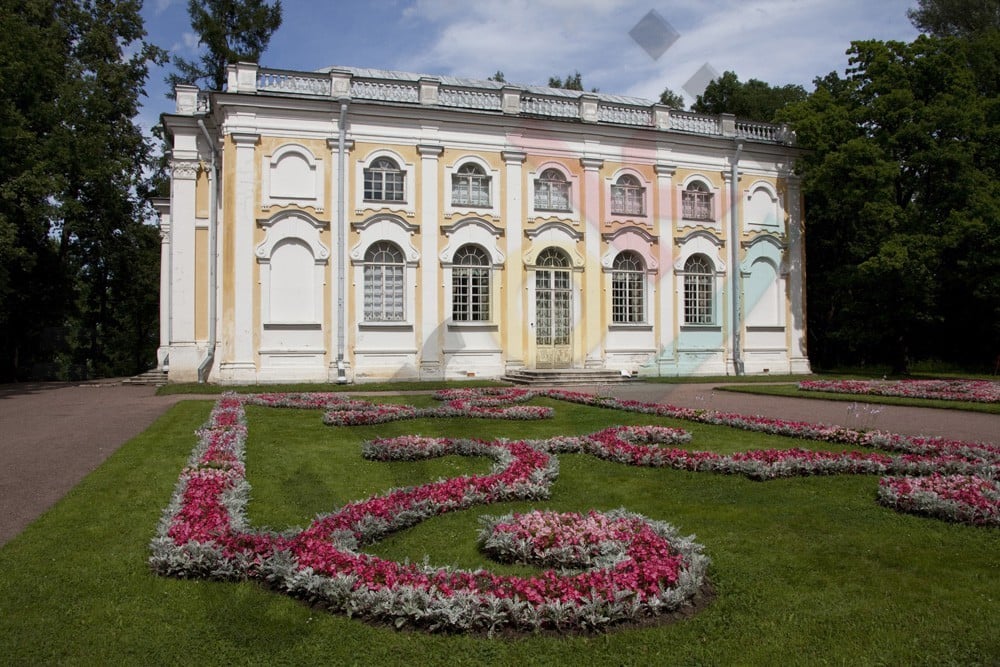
[696, 285]
[451, 209]
[573, 183]
[408, 206]
[712, 191]
[623, 297]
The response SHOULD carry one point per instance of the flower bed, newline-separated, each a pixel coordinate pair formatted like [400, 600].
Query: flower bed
[960, 498]
[625, 567]
[978, 391]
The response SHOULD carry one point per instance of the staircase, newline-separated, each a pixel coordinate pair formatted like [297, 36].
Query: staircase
[566, 377]
[154, 377]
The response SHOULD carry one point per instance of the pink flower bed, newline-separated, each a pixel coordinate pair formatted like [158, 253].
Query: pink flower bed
[625, 566]
[979, 391]
[960, 498]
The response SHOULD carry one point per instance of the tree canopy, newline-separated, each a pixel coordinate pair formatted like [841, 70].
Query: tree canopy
[78, 283]
[671, 99]
[902, 189]
[753, 100]
[956, 18]
[231, 31]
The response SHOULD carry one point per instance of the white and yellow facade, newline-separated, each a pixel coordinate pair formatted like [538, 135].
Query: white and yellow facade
[353, 225]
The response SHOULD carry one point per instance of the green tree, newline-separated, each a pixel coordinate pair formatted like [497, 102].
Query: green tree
[959, 18]
[231, 31]
[671, 99]
[903, 203]
[71, 187]
[498, 77]
[753, 100]
[572, 81]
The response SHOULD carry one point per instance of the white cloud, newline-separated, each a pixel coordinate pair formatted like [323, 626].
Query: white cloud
[777, 41]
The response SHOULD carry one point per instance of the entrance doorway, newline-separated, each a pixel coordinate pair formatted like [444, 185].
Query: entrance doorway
[553, 310]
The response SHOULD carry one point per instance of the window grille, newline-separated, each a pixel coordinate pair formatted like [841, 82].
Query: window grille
[698, 297]
[627, 289]
[470, 186]
[470, 285]
[552, 191]
[383, 283]
[696, 202]
[628, 197]
[384, 181]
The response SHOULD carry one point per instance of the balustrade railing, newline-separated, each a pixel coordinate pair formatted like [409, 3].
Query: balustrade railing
[548, 106]
[293, 82]
[625, 115]
[692, 122]
[385, 91]
[470, 99]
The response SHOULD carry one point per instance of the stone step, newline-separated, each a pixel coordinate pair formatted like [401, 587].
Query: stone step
[154, 377]
[566, 377]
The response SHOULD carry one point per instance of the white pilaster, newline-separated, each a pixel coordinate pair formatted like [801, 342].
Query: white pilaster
[162, 206]
[183, 350]
[798, 357]
[666, 325]
[429, 320]
[593, 318]
[512, 310]
[241, 366]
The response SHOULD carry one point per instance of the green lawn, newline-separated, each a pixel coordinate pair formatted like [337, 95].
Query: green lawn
[807, 570]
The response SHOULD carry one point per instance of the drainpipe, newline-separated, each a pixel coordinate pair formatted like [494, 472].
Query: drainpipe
[213, 242]
[341, 239]
[734, 256]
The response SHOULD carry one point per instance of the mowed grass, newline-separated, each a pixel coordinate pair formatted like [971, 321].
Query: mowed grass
[806, 570]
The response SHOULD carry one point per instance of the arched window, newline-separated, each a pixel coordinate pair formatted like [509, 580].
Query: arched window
[470, 285]
[384, 286]
[384, 181]
[628, 289]
[552, 191]
[552, 257]
[698, 297]
[628, 197]
[696, 202]
[470, 186]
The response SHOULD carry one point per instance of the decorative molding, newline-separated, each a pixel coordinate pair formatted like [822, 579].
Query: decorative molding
[591, 163]
[185, 170]
[573, 234]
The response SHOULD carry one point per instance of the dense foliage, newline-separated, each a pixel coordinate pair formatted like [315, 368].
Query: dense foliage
[78, 265]
[903, 203]
[753, 100]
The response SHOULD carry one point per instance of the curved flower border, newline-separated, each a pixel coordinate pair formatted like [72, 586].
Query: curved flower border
[204, 531]
[959, 498]
[978, 391]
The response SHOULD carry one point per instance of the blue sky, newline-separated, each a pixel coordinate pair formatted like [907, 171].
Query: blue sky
[777, 41]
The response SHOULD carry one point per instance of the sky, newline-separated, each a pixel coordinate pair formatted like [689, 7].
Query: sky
[777, 41]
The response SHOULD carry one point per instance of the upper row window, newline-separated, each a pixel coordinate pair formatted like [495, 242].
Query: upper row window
[696, 202]
[385, 181]
[628, 197]
[552, 191]
[470, 186]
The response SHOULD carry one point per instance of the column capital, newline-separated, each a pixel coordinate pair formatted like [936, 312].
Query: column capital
[245, 138]
[665, 170]
[430, 150]
[512, 157]
[591, 163]
[334, 142]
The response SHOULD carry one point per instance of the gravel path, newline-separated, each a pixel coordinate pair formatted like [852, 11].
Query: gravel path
[54, 434]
